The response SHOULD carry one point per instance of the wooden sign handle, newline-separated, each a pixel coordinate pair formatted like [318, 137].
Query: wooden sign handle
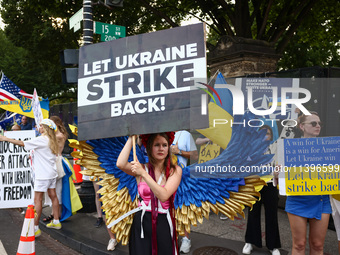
[134, 147]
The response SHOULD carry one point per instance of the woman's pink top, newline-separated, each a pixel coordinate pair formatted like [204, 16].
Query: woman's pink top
[145, 193]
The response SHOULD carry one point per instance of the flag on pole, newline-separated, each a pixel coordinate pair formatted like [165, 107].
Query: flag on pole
[220, 134]
[14, 99]
[38, 116]
[8, 90]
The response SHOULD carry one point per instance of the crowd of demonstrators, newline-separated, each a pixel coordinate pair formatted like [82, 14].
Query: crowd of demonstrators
[185, 149]
[45, 153]
[269, 199]
[315, 208]
[157, 182]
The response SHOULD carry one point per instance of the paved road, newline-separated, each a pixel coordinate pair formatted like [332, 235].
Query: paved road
[79, 233]
[11, 221]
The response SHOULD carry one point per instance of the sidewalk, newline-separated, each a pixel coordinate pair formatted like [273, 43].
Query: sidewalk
[79, 233]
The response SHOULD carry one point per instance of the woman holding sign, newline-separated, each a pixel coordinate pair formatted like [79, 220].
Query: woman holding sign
[44, 164]
[153, 230]
[315, 208]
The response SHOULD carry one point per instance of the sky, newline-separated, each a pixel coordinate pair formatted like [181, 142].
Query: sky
[1, 24]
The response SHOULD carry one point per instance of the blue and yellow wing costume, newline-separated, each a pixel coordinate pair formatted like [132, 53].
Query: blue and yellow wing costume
[195, 197]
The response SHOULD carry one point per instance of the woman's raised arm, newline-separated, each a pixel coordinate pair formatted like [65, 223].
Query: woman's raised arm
[122, 161]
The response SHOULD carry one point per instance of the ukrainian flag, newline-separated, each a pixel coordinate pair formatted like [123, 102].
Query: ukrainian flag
[14, 99]
[221, 133]
[71, 202]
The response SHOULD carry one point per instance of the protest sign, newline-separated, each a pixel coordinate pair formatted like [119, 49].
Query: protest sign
[16, 188]
[142, 84]
[208, 152]
[310, 166]
[263, 90]
[38, 116]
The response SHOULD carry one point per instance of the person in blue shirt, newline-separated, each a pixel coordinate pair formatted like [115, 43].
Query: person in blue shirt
[25, 125]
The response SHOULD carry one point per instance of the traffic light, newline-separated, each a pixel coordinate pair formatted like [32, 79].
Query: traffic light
[69, 58]
[116, 3]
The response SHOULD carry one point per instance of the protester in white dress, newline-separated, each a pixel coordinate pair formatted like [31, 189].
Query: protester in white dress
[45, 151]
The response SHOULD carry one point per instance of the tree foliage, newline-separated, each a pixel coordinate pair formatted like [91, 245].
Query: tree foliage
[317, 41]
[305, 32]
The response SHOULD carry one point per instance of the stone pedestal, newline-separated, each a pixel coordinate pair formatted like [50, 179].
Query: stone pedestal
[237, 56]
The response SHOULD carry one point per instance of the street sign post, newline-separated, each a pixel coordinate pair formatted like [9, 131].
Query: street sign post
[108, 32]
[76, 19]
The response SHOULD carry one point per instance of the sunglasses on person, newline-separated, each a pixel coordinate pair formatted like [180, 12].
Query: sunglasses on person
[314, 123]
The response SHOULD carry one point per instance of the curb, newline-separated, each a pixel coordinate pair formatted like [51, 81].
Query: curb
[77, 242]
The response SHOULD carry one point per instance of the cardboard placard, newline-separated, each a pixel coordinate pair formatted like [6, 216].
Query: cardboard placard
[310, 166]
[142, 84]
[16, 189]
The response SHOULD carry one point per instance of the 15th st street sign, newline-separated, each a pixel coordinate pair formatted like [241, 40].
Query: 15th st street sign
[108, 32]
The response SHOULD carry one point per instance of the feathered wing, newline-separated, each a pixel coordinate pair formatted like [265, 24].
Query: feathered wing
[119, 190]
[203, 188]
[195, 197]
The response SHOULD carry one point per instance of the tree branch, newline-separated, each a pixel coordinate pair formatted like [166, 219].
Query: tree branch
[265, 19]
[278, 22]
[283, 43]
[228, 11]
[220, 21]
[159, 13]
[256, 12]
[290, 20]
[242, 26]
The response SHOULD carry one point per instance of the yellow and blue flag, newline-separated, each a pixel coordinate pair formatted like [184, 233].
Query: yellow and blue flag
[222, 110]
[14, 99]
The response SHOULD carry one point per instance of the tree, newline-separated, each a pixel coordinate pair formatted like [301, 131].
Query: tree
[12, 57]
[308, 29]
[316, 42]
[41, 29]
[42, 37]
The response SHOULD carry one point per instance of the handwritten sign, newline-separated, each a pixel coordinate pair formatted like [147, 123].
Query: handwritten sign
[311, 166]
[16, 188]
[208, 152]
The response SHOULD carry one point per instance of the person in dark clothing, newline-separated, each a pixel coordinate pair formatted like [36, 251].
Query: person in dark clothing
[25, 125]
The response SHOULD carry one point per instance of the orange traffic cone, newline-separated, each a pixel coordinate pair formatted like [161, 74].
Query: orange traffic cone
[27, 238]
[77, 169]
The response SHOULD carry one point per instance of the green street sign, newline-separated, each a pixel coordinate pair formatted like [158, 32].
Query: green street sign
[108, 32]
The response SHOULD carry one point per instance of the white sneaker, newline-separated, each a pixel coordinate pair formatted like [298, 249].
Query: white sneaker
[247, 248]
[112, 244]
[186, 245]
[223, 217]
[275, 252]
